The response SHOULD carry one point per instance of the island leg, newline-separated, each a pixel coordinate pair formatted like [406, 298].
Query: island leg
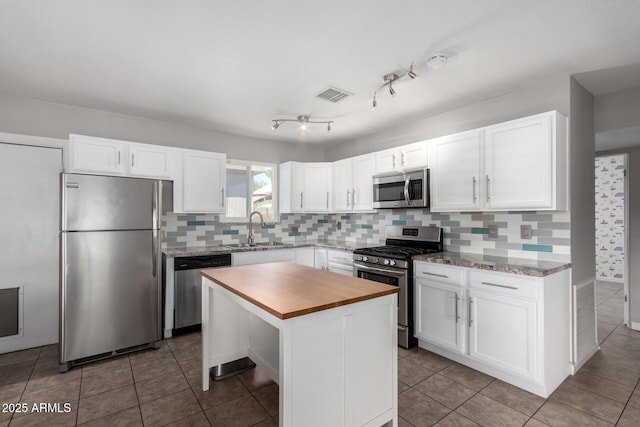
[206, 319]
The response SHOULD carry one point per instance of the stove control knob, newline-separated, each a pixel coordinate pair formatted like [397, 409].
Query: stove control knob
[392, 262]
[364, 258]
[386, 262]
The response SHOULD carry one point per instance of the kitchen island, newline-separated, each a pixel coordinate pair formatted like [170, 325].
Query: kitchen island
[328, 340]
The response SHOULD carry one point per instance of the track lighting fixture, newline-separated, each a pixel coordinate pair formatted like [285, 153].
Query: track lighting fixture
[303, 120]
[434, 62]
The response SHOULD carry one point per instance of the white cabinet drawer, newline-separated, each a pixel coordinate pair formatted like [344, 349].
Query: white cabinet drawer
[428, 270]
[263, 257]
[505, 284]
[340, 257]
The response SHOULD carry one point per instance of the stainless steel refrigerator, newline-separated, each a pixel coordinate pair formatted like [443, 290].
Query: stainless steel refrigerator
[110, 255]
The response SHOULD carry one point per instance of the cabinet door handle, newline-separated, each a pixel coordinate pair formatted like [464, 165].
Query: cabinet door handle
[133, 160]
[118, 157]
[499, 286]
[353, 198]
[301, 200]
[456, 299]
[488, 194]
[393, 156]
[473, 185]
[402, 158]
[470, 311]
[222, 201]
[435, 274]
[327, 200]
[347, 198]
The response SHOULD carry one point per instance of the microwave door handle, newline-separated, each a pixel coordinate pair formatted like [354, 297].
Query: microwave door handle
[406, 191]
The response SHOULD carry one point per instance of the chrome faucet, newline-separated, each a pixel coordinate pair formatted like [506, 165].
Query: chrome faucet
[250, 238]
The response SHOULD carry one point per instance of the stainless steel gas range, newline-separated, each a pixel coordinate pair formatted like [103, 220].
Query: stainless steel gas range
[392, 264]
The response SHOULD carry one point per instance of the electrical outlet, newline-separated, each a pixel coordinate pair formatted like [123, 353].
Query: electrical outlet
[339, 225]
[525, 232]
[493, 231]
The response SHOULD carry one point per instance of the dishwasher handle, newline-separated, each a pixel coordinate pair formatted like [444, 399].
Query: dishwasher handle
[203, 261]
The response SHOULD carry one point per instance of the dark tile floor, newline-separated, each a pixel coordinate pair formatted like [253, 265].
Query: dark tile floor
[163, 387]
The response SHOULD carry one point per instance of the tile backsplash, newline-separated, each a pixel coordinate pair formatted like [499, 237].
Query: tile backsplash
[463, 232]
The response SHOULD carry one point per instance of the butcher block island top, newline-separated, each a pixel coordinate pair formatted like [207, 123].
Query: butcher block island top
[289, 290]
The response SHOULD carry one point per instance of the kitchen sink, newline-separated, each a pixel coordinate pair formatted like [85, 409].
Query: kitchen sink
[257, 244]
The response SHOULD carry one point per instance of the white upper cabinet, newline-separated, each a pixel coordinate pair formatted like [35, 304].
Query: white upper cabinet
[102, 156]
[524, 163]
[353, 184]
[363, 171]
[305, 187]
[317, 187]
[410, 156]
[146, 160]
[455, 172]
[343, 185]
[516, 165]
[88, 154]
[200, 187]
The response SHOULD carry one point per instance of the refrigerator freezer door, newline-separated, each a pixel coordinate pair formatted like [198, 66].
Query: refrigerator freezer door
[110, 292]
[92, 202]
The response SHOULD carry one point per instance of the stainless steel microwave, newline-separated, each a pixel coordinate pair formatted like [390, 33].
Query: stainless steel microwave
[402, 190]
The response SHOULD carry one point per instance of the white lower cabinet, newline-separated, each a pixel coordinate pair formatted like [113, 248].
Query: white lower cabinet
[336, 261]
[511, 326]
[440, 321]
[503, 332]
[306, 256]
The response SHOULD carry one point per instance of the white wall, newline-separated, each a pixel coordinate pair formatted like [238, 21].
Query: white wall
[39, 118]
[582, 184]
[617, 110]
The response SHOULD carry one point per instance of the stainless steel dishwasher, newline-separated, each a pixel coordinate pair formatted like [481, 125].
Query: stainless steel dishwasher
[187, 287]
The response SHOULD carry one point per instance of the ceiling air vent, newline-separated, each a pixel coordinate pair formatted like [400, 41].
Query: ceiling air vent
[333, 94]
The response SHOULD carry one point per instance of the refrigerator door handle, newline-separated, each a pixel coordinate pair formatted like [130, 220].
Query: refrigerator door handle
[154, 250]
[155, 205]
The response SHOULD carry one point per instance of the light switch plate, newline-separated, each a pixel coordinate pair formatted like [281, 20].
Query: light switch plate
[525, 232]
[493, 231]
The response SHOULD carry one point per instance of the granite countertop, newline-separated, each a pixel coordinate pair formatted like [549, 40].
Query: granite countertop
[339, 245]
[528, 267]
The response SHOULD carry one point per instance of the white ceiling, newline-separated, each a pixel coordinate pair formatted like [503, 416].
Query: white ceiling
[236, 65]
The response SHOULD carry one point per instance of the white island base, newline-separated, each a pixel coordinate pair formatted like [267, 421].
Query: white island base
[334, 367]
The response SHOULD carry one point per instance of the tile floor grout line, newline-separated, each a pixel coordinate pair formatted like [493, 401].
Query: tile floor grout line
[627, 403]
[33, 368]
[189, 384]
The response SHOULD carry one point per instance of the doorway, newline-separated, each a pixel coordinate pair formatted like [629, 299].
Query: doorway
[29, 224]
[612, 272]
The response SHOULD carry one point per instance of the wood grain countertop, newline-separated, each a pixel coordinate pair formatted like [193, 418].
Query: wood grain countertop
[288, 290]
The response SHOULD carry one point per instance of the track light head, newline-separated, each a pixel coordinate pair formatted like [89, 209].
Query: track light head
[412, 75]
[275, 125]
[391, 91]
[328, 126]
[374, 103]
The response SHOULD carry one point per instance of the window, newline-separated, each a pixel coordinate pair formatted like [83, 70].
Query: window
[250, 187]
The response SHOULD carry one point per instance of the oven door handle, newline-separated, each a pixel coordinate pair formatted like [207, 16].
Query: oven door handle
[379, 270]
[406, 190]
